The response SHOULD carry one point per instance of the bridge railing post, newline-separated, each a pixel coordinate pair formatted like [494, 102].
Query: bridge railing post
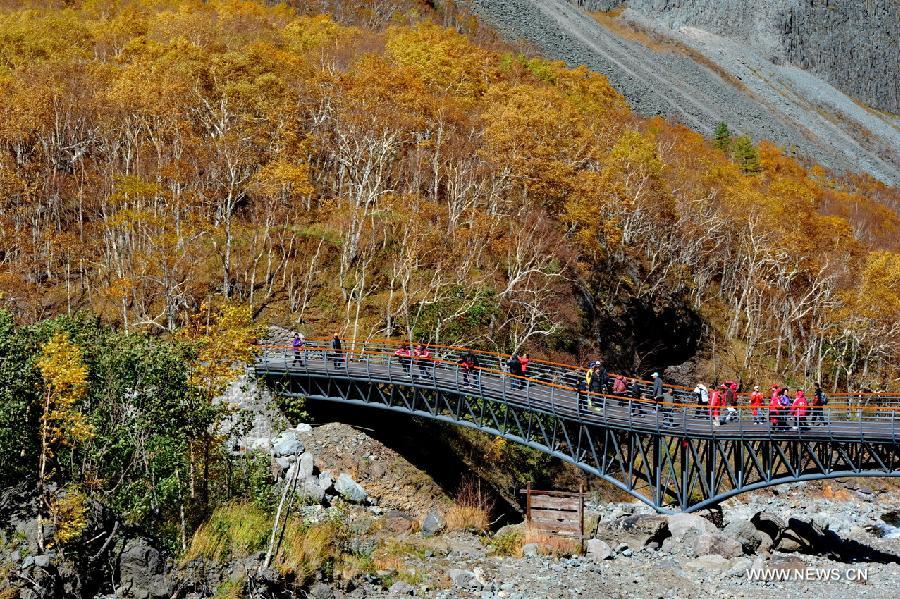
[552, 401]
[577, 402]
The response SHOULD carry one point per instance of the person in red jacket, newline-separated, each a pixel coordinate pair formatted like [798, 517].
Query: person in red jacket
[524, 359]
[775, 409]
[799, 409]
[715, 403]
[423, 359]
[755, 405]
[403, 356]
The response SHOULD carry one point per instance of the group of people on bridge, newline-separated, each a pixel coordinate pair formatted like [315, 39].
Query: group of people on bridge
[721, 404]
[781, 410]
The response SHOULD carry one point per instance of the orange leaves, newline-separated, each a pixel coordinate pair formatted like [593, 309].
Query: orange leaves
[224, 340]
[878, 294]
[446, 60]
[309, 33]
[284, 178]
[539, 137]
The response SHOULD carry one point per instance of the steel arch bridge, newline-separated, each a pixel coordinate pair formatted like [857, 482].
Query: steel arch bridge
[670, 455]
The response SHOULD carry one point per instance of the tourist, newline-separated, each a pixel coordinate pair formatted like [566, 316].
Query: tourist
[775, 408]
[620, 388]
[637, 407]
[729, 400]
[596, 387]
[581, 389]
[337, 351]
[756, 404]
[297, 344]
[715, 403]
[403, 356]
[701, 399]
[657, 387]
[524, 360]
[799, 409]
[515, 369]
[784, 407]
[423, 358]
[820, 400]
[603, 376]
[468, 364]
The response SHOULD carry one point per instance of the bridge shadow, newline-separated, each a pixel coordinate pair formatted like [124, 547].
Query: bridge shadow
[839, 548]
[427, 446]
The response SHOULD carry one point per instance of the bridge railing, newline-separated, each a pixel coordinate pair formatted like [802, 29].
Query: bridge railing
[558, 396]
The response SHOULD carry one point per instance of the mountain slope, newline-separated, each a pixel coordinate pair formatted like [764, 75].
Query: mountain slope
[700, 78]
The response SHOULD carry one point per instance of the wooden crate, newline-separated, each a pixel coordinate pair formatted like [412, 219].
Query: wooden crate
[557, 513]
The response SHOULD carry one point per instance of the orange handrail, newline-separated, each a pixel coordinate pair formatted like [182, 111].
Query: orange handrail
[590, 394]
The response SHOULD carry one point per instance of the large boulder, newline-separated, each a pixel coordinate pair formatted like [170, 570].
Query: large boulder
[141, 572]
[769, 523]
[638, 531]
[433, 523]
[310, 490]
[681, 524]
[684, 531]
[349, 489]
[717, 544]
[804, 536]
[286, 444]
[752, 540]
[598, 550]
[398, 522]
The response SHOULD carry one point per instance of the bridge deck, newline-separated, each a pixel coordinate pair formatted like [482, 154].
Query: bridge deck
[841, 422]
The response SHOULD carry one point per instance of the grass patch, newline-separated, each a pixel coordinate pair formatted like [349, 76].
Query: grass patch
[307, 550]
[552, 544]
[509, 542]
[473, 508]
[235, 530]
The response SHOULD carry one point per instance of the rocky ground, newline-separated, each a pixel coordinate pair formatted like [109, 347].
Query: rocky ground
[399, 538]
[696, 76]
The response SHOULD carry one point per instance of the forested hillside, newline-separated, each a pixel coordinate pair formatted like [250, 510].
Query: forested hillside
[392, 171]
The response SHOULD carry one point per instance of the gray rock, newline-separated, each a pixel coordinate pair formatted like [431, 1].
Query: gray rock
[751, 539]
[769, 523]
[286, 444]
[260, 443]
[305, 465]
[461, 578]
[747, 45]
[635, 531]
[349, 489]
[42, 561]
[433, 523]
[530, 550]
[739, 568]
[681, 524]
[707, 562]
[718, 544]
[310, 490]
[285, 462]
[141, 572]
[401, 588]
[320, 590]
[303, 428]
[598, 550]
[325, 480]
